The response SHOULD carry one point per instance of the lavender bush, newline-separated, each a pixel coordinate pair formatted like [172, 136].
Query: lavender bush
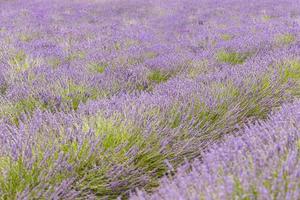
[259, 162]
[98, 98]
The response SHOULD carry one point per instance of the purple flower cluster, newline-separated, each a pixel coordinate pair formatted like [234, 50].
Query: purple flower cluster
[261, 161]
[98, 98]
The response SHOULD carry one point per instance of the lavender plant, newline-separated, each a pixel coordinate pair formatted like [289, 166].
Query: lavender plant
[259, 162]
[98, 98]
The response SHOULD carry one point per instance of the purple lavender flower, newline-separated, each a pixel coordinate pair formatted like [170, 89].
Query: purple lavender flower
[98, 98]
[261, 163]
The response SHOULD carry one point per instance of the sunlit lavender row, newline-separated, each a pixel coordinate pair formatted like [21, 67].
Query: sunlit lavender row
[101, 97]
[260, 162]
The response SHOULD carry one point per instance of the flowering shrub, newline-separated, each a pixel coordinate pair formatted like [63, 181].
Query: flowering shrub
[98, 98]
[259, 162]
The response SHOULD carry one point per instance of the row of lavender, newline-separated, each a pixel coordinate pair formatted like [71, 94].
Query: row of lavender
[60, 54]
[260, 162]
[99, 98]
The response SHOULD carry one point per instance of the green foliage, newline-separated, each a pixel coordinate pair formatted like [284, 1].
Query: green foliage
[4, 162]
[226, 37]
[117, 46]
[223, 90]
[119, 138]
[233, 58]
[17, 177]
[26, 105]
[238, 190]
[19, 57]
[71, 96]
[19, 61]
[211, 118]
[44, 169]
[28, 37]
[157, 76]
[98, 67]
[253, 104]
[3, 88]
[207, 119]
[285, 39]
[145, 163]
[76, 94]
[114, 132]
[290, 71]
[76, 56]
[14, 110]
[298, 144]
[266, 18]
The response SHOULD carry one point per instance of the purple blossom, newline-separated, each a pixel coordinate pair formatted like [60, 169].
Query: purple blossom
[98, 98]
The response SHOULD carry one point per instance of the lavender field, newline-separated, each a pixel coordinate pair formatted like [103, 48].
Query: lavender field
[150, 99]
